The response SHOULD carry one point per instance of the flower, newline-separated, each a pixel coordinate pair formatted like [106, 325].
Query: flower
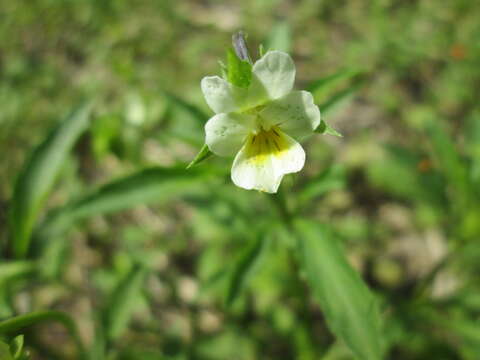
[261, 124]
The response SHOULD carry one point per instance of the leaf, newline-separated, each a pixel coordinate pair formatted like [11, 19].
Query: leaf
[195, 112]
[203, 154]
[16, 268]
[18, 323]
[349, 307]
[338, 99]
[324, 128]
[152, 185]
[445, 152]
[332, 80]
[16, 346]
[280, 37]
[239, 72]
[331, 178]
[38, 176]
[122, 302]
[244, 267]
[5, 351]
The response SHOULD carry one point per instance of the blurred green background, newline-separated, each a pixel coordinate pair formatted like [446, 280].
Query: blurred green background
[400, 190]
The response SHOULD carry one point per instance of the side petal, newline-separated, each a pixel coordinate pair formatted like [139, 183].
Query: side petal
[220, 95]
[272, 76]
[295, 113]
[225, 133]
[265, 159]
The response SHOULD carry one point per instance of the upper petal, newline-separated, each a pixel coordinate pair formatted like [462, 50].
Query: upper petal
[265, 159]
[220, 95]
[272, 76]
[225, 133]
[295, 113]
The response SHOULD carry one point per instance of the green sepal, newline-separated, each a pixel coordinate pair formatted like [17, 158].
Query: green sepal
[239, 72]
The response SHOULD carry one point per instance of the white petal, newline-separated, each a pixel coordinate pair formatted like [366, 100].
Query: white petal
[220, 95]
[225, 133]
[265, 159]
[272, 75]
[295, 113]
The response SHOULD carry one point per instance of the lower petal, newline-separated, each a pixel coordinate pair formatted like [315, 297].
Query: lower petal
[265, 158]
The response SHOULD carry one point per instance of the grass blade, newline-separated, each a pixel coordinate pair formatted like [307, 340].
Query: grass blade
[244, 267]
[122, 302]
[349, 307]
[38, 176]
[152, 185]
[18, 323]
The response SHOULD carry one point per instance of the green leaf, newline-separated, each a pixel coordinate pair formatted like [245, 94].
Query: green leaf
[331, 80]
[203, 154]
[12, 269]
[349, 307]
[195, 112]
[280, 37]
[38, 176]
[324, 128]
[339, 99]
[17, 346]
[153, 185]
[122, 302]
[445, 152]
[245, 266]
[239, 72]
[5, 351]
[18, 323]
[332, 178]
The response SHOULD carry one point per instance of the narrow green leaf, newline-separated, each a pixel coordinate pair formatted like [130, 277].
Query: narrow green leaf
[350, 309]
[189, 108]
[15, 269]
[332, 80]
[38, 176]
[239, 72]
[280, 37]
[340, 98]
[18, 323]
[332, 178]
[244, 267]
[122, 302]
[324, 128]
[445, 152]
[153, 185]
[203, 154]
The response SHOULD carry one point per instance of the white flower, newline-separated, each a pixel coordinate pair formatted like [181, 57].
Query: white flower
[262, 123]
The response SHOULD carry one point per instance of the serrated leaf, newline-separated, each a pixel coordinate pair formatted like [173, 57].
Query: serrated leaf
[280, 37]
[349, 307]
[147, 186]
[122, 302]
[244, 267]
[203, 154]
[239, 72]
[36, 180]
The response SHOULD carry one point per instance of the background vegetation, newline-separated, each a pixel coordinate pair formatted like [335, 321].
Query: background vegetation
[112, 250]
